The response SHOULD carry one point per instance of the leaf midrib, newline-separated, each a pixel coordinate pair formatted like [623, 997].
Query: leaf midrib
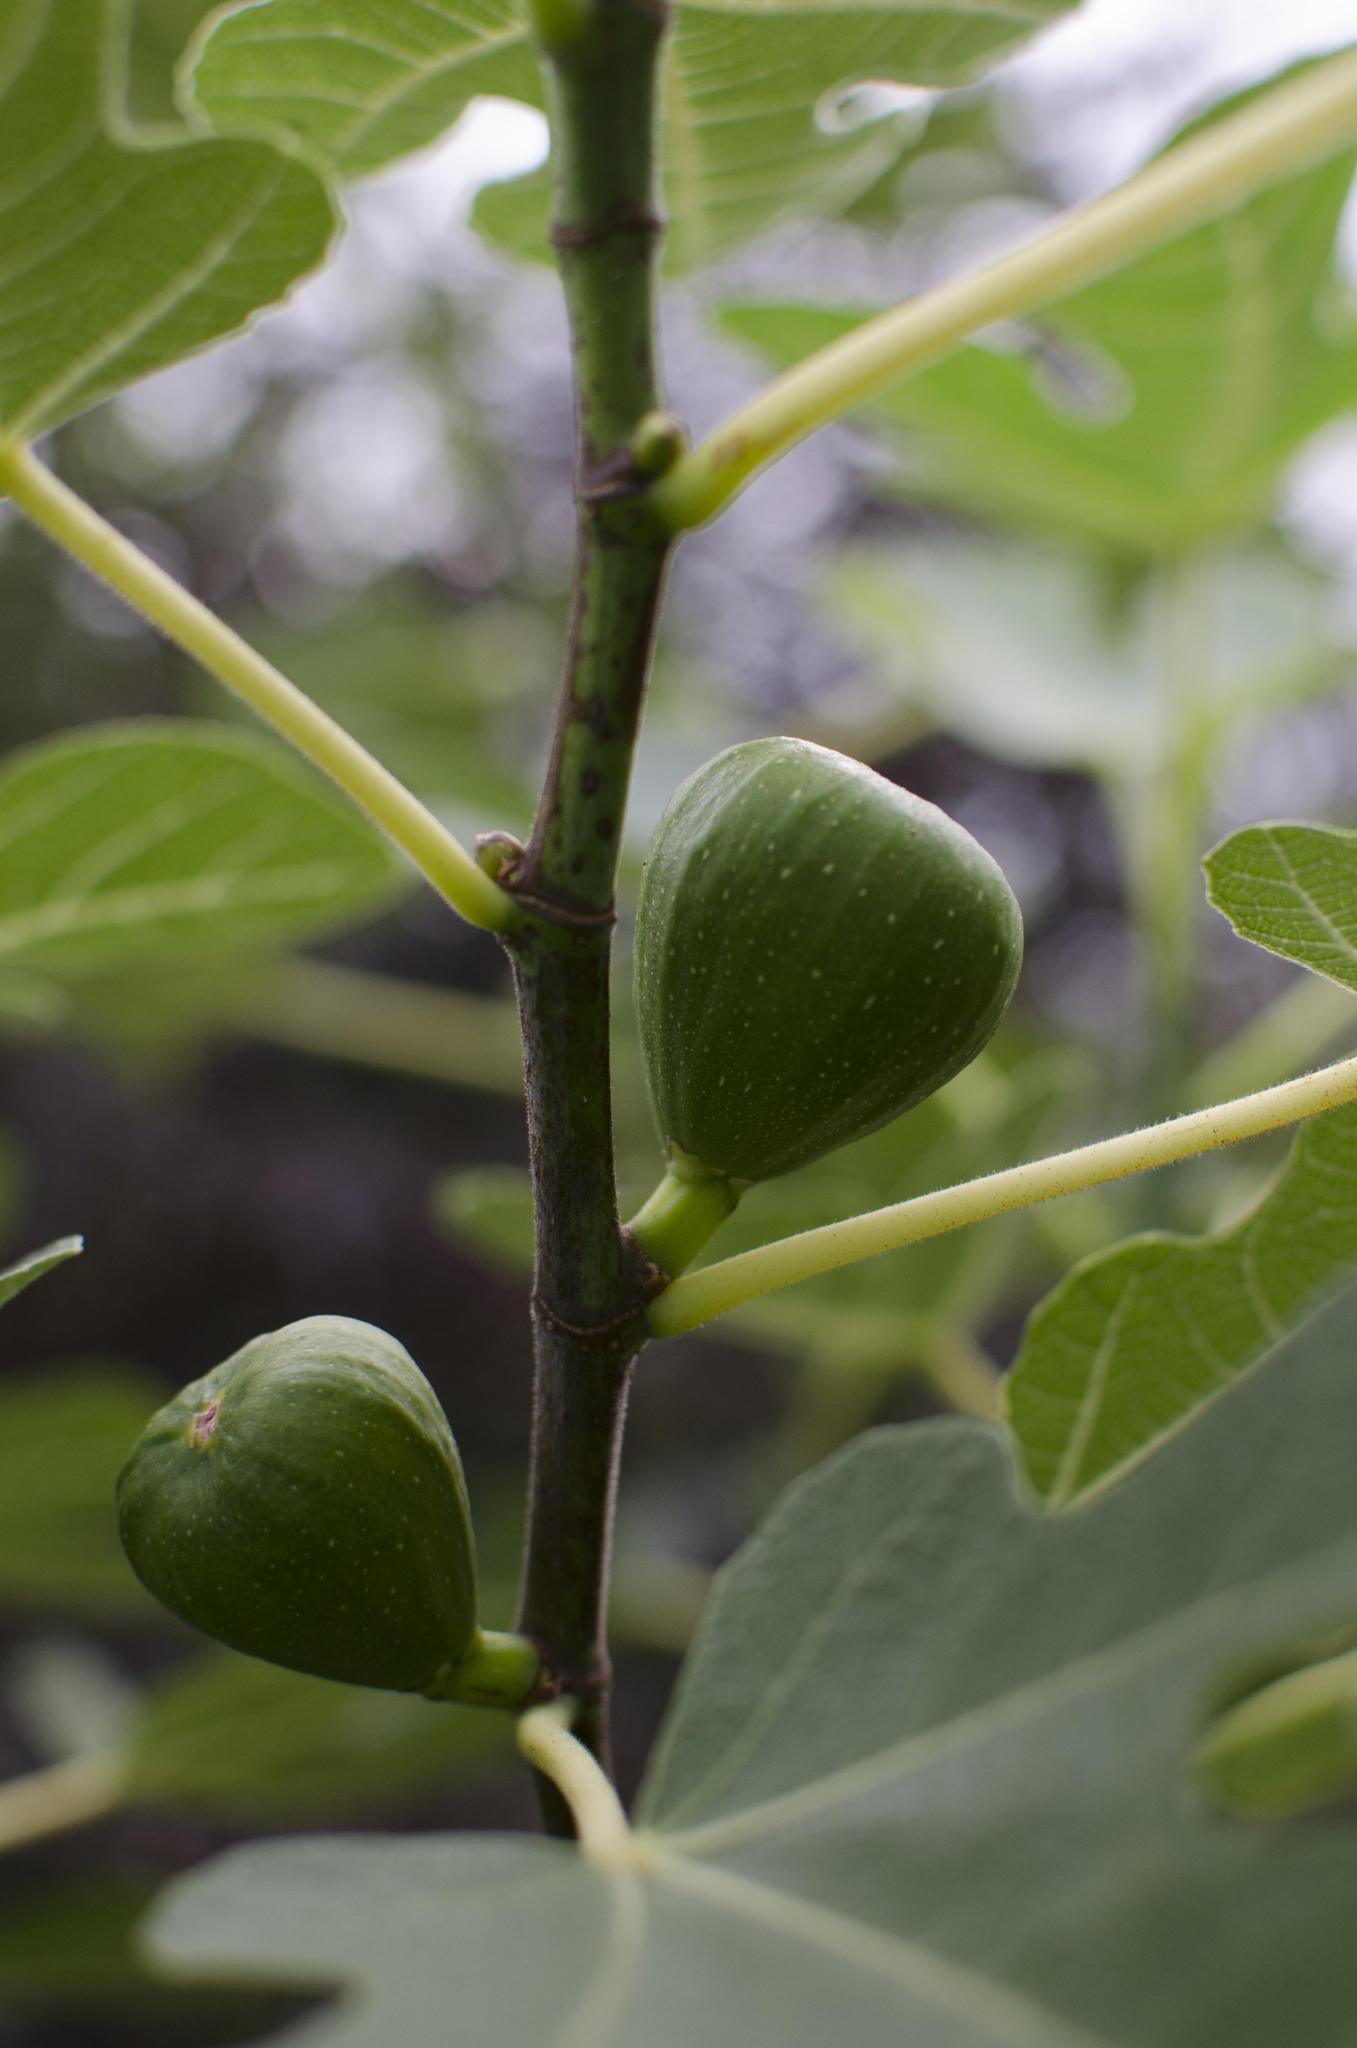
[97, 360]
[1028, 12]
[203, 894]
[1342, 942]
[1008, 2016]
[996, 1717]
[1090, 1406]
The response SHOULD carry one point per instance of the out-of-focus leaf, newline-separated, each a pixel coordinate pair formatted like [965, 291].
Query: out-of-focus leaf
[1014, 647]
[742, 88]
[1136, 1341]
[925, 1780]
[72, 1699]
[514, 213]
[123, 250]
[63, 1438]
[489, 1209]
[728, 200]
[72, 1943]
[384, 1021]
[240, 1737]
[1162, 402]
[11, 1180]
[1292, 889]
[72, 1950]
[30, 1006]
[163, 838]
[140, 1017]
[950, 152]
[441, 702]
[14, 1278]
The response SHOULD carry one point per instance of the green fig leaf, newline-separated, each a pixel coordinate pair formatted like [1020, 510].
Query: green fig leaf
[14, 1279]
[430, 695]
[74, 1944]
[70, 1958]
[359, 92]
[1153, 410]
[63, 1436]
[1136, 1341]
[30, 1006]
[70, 1698]
[162, 838]
[233, 1736]
[489, 1209]
[161, 30]
[741, 89]
[1016, 647]
[926, 1778]
[1293, 889]
[12, 1170]
[124, 249]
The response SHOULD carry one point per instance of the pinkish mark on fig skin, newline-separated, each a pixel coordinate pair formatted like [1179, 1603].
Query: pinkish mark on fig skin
[204, 1422]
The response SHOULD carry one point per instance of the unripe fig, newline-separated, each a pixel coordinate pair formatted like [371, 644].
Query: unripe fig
[817, 950]
[305, 1503]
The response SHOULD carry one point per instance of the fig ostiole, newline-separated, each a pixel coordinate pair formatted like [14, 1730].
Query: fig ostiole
[817, 950]
[305, 1503]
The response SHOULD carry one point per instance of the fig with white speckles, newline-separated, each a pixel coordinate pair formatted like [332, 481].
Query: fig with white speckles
[817, 950]
[305, 1504]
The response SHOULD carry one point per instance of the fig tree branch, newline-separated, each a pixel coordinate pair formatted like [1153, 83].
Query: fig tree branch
[601, 66]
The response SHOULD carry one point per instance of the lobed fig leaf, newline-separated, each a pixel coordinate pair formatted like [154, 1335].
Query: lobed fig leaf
[817, 950]
[305, 1504]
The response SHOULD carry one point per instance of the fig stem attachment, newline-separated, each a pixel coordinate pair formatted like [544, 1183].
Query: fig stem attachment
[77, 527]
[731, 1282]
[495, 1670]
[686, 1209]
[601, 1825]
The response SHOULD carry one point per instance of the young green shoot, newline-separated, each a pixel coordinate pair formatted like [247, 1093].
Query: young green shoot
[698, 1297]
[1292, 127]
[109, 555]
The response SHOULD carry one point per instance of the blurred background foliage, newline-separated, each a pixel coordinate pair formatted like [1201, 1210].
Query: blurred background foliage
[1089, 584]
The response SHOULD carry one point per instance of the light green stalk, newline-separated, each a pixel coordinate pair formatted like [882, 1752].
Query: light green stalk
[601, 1825]
[113, 558]
[714, 1290]
[61, 1797]
[1292, 127]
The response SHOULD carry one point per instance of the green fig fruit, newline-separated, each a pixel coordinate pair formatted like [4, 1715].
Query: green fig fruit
[817, 950]
[305, 1503]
